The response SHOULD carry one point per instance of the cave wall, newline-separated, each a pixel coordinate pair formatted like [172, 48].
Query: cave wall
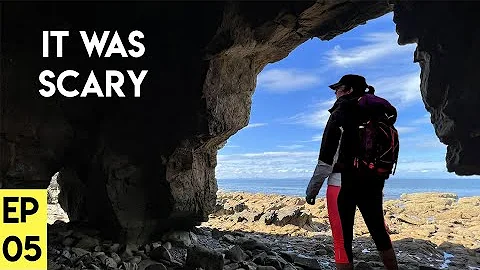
[138, 166]
[130, 166]
[135, 167]
[447, 37]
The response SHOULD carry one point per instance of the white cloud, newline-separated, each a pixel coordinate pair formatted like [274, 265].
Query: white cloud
[431, 143]
[279, 164]
[421, 141]
[405, 129]
[400, 90]
[422, 166]
[295, 164]
[378, 45]
[276, 154]
[286, 80]
[254, 125]
[232, 146]
[316, 118]
[317, 138]
[424, 120]
[292, 147]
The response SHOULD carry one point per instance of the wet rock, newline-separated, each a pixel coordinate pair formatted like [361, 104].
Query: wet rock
[96, 267]
[66, 254]
[321, 252]
[307, 262]
[290, 267]
[161, 253]
[260, 258]
[156, 266]
[115, 247]
[251, 244]
[202, 231]
[272, 261]
[261, 267]
[69, 241]
[425, 267]
[236, 254]
[289, 256]
[205, 258]
[80, 251]
[407, 267]
[228, 238]
[116, 257]
[129, 266]
[150, 265]
[361, 265]
[105, 260]
[87, 242]
[248, 265]
[65, 233]
[135, 259]
[154, 245]
[217, 234]
[167, 245]
[181, 238]
[231, 266]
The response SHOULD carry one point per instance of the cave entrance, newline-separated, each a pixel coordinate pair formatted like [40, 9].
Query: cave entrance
[277, 152]
[55, 210]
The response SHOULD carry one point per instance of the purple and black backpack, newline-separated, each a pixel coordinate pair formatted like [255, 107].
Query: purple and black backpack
[378, 149]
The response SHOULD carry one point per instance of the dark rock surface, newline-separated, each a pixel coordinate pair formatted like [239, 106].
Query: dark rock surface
[137, 167]
[144, 165]
[264, 251]
[447, 39]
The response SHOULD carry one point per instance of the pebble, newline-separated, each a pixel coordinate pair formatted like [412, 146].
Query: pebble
[71, 247]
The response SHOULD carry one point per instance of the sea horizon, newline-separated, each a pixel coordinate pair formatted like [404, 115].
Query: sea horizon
[394, 187]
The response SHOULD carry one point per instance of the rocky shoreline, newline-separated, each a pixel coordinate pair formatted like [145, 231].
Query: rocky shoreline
[260, 231]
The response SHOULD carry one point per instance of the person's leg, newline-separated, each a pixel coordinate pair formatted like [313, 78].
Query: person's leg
[346, 209]
[370, 204]
[336, 225]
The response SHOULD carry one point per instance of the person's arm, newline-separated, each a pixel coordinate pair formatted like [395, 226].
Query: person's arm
[327, 156]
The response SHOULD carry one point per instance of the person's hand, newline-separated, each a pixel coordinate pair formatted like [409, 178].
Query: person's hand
[310, 200]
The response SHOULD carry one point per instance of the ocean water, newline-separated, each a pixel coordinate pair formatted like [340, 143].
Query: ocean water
[394, 187]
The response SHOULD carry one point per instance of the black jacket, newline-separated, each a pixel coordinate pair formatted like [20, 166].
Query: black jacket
[340, 134]
[338, 143]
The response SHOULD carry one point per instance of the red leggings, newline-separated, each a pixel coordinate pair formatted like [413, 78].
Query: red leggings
[336, 224]
[341, 204]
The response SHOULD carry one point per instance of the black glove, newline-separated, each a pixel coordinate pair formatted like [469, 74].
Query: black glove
[310, 200]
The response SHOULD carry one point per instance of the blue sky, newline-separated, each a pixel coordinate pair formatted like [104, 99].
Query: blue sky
[289, 107]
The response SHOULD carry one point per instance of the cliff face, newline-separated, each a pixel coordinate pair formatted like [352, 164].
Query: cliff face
[135, 166]
[447, 52]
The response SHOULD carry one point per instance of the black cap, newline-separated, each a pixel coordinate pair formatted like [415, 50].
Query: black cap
[355, 81]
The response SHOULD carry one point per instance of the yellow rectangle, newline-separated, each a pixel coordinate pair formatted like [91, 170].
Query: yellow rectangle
[23, 229]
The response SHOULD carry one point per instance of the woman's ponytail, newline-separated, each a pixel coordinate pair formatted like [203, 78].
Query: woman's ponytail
[371, 90]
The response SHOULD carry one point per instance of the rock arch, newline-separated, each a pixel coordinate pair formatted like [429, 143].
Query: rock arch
[138, 166]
